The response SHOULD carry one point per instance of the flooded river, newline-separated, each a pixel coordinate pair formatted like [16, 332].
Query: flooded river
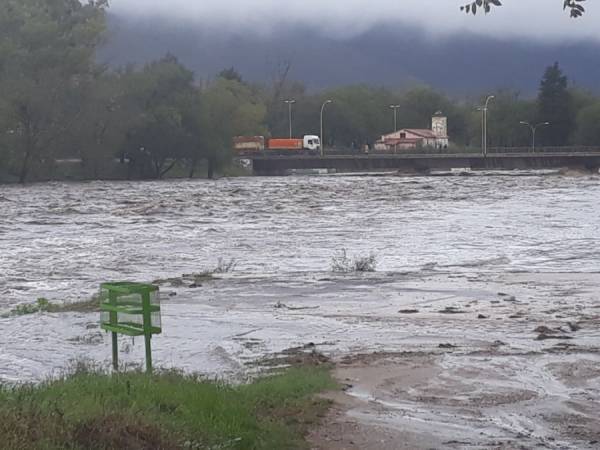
[61, 240]
[468, 268]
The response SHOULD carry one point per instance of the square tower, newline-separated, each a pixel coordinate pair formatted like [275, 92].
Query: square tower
[439, 125]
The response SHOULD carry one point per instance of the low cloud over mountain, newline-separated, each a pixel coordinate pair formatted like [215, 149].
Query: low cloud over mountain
[542, 20]
[383, 55]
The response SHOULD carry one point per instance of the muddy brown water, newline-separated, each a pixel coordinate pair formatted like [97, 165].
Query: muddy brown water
[506, 254]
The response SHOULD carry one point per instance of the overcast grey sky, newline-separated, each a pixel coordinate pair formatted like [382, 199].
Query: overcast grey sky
[350, 17]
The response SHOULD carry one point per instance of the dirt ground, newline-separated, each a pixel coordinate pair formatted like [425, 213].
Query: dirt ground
[473, 400]
[516, 370]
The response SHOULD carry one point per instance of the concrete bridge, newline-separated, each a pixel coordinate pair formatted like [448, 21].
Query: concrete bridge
[423, 163]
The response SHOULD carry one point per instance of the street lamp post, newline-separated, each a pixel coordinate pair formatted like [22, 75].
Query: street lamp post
[533, 129]
[395, 108]
[322, 141]
[484, 110]
[290, 103]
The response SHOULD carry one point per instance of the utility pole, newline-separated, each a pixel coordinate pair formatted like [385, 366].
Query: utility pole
[395, 108]
[533, 129]
[326, 102]
[484, 110]
[290, 103]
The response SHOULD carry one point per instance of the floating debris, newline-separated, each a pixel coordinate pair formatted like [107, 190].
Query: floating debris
[280, 305]
[543, 336]
[447, 345]
[451, 310]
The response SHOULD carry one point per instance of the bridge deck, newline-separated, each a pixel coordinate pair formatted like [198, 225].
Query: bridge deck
[282, 164]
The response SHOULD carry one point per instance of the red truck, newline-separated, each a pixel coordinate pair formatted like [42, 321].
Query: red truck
[245, 145]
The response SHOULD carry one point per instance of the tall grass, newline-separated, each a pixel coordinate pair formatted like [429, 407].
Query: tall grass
[90, 410]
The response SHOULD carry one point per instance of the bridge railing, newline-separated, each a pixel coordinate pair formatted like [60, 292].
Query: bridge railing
[563, 149]
[426, 151]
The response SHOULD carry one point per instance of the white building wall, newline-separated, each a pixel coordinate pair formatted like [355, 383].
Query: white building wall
[439, 125]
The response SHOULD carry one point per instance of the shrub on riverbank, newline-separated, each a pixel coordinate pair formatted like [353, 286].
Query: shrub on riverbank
[89, 410]
[343, 264]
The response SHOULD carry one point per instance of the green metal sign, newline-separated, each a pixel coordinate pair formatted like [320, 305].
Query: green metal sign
[132, 309]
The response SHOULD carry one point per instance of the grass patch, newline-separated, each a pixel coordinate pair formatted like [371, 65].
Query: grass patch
[170, 410]
[45, 305]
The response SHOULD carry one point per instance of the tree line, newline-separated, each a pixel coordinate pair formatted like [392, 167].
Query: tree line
[57, 103]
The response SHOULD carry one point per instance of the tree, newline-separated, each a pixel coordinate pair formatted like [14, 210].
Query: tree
[277, 111]
[554, 105]
[588, 131]
[504, 116]
[229, 108]
[358, 115]
[574, 6]
[106, 116]
[231, 74]
[46, 55]
[418, 104]
[278, 90]
[162, 96]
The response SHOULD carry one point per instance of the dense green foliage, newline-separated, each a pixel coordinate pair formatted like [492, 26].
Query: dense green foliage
[59, 104]
[46, 66]
[555, 106]
[168, 411]
[588, 128]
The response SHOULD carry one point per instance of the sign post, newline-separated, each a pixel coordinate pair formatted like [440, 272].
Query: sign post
[132, 309]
